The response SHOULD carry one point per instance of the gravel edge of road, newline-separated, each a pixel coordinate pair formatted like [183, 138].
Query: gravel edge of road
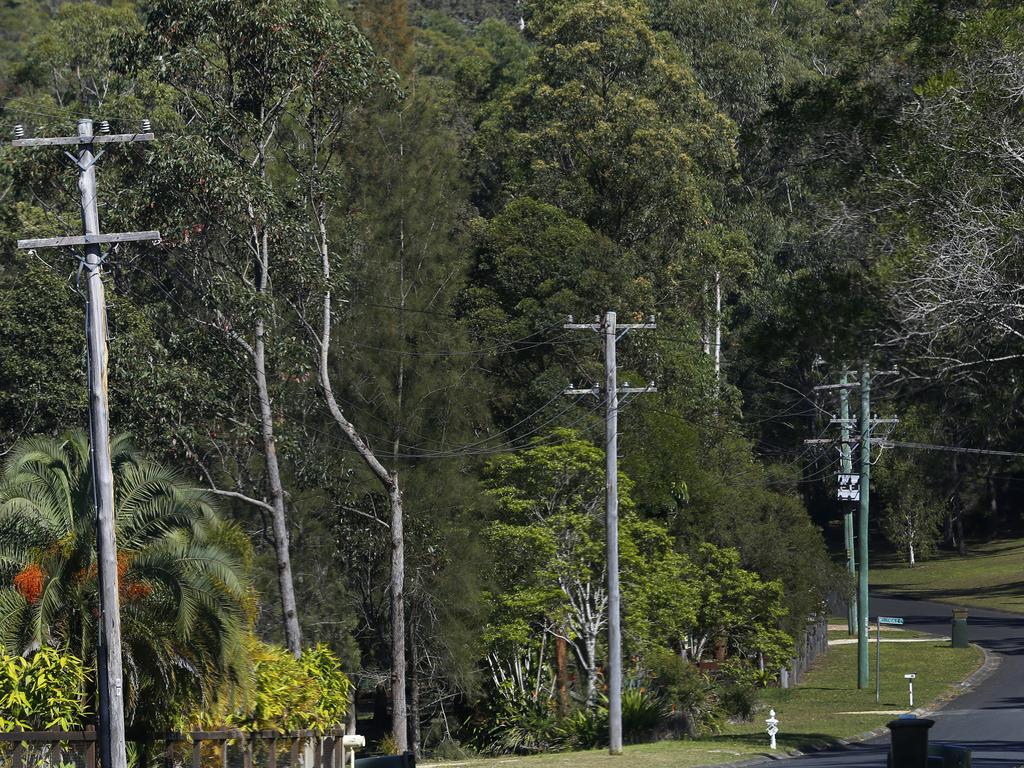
[989, 664]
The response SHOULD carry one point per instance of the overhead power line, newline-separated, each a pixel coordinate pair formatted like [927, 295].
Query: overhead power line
[954, 449]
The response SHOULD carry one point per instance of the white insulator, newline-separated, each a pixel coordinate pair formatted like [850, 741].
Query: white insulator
[19, 131]
[104, 126]
[146, 126]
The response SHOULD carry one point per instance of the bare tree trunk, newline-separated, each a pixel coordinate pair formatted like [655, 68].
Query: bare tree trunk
[293, 635]
[958, 509]
[705, 324]
[414, 691]
[399, 719]
[389, 480]
[718, 327]
[590, 692]
[912, 562]
[993, 505]
[350, 716]
[562, 675]
[961, 542]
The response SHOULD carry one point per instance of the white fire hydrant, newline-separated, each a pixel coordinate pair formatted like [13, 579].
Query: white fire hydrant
[773, 727]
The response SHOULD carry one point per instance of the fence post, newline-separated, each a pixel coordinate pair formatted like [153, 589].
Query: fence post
[293, 762]
[197, 753]
[272, 759]
[17, 750]
[90, 746]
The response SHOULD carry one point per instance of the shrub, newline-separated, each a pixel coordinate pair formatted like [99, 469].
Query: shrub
[43, 691]
[738, 700]
[284, 693]
[516, 724]
[689, 694]
[642, 713]
[586, 729]
[764, 678]
[334, 686]
[388, 744]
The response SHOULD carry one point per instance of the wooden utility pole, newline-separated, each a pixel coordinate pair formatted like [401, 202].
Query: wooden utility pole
[610, 332]
[108, 651]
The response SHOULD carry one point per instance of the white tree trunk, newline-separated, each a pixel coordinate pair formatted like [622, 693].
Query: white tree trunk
[718, 327]
[399, 718]
[293, 635]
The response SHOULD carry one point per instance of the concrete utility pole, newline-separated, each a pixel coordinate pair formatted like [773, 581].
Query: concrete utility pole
[857, 488]
[846, 465]
[865, 506]
[610, 331]
[108, 651]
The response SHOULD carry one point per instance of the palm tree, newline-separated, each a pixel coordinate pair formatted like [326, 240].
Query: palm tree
[186, 598]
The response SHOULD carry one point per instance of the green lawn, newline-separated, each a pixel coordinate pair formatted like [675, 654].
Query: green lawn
[990, 576]
[815, 711]
[812, 714]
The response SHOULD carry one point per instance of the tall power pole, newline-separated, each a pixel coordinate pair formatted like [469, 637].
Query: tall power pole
[610, 331]
[854, 488]
[108, 651]
[846, 466]
[862, 532]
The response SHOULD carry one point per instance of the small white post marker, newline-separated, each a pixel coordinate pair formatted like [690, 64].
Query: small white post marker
[910, 680]
[773, 727]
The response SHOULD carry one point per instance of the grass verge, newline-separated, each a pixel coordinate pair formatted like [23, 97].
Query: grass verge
[989, 576]
[814, 714]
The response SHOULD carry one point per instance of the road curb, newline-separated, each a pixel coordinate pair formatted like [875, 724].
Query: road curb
[989, 664]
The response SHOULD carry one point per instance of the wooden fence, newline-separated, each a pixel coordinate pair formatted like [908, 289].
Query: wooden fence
[809, 646]
[199, 749]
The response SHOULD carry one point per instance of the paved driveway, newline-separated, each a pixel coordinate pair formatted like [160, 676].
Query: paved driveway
[989, 719]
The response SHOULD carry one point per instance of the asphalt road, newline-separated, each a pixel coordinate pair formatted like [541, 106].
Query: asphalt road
[989, 719]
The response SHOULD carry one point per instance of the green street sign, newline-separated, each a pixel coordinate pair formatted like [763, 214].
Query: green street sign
[890, 620]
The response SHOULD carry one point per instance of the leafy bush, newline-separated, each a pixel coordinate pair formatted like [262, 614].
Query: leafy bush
[642, 713]
[45, 690]
[334, 686]
[449, 749]
[764, 678]
[284, 693]
[689, 694]
[516, 724]
[388, 744]
[738, 700]
[586, 729]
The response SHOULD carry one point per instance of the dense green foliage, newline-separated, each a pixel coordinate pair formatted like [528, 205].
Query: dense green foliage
[45, 690]
[182, 572]
[280, 693]
[778, 183]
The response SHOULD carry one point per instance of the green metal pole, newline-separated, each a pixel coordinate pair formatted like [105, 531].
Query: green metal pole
[847, 469]
[862, 533]
[878, 659]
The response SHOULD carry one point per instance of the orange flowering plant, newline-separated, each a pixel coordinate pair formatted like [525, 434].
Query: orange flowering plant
[182, 572]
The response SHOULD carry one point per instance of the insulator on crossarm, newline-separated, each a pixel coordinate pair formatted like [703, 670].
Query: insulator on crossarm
[104, 127]
[146, 126]
[19, 131]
